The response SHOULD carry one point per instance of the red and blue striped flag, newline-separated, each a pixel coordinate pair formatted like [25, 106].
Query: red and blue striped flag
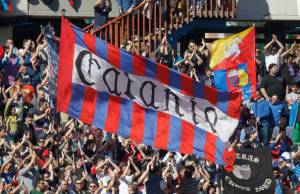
[6, 5]
[137, 98]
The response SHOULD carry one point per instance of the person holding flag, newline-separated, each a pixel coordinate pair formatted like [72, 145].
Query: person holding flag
[97, 96]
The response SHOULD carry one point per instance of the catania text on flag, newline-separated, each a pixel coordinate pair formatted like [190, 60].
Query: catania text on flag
[95, 72]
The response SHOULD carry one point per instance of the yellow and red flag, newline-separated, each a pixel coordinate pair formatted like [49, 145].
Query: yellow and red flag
[233, 63]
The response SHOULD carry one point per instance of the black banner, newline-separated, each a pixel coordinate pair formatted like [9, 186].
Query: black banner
[253, 173]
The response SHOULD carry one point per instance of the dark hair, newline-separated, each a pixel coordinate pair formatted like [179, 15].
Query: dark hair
[156, 169]
[273, 47]
[290, 55]
[272, 65]
[189, 172]
[208, 69]
[29, 114]
[11, 107]
[211, 185]
[40, 179]
[94, 182]
[192, 41]
[42, 101]
[19, 78]
[24, 41]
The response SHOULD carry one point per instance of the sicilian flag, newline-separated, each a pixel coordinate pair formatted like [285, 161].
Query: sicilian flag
[233, 63]
[137, 98]
[6, 5]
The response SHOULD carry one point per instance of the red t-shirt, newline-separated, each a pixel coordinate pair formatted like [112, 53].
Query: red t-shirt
[28, 91]
[1, 52]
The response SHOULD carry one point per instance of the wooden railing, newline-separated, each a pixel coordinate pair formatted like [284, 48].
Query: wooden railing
[148, 22]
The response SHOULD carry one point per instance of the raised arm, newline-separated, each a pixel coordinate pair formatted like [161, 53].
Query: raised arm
[82, 152]
[36, 118]
[4, 95]
[145, 173]
[141, 152]
[100, 165]
[289, 50]
[8, 160]
[44, 81]
[24, 138]
[27, 44]
[137, 170]
[116, 168]
[279, 44]
[203, 45]
[33, 154]
[112, 181]
[16, 189]
[266, 48]
[69, 131]
[49, 161]
[126, 169]
[298, 54]
[166, 157]
[164, 173]
[204, 173]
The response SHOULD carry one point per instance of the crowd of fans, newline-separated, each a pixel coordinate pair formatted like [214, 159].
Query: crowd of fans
[42, 151]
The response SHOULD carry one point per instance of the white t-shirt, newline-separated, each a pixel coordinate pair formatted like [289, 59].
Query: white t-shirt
[105, 180]
[123, 187]
[288, 132]
[292, 96]
[272, 59]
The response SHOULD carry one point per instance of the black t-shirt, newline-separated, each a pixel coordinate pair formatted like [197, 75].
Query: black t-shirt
[22, 128]
[288, 72]
[261, 69]
[165, 59]
[2, 104]
[200, 67]
[90, 153]
[274, 86]
[39, 123]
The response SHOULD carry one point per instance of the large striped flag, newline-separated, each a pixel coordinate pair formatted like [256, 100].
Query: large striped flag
[233, 63]
[134, 97]
[6, 5]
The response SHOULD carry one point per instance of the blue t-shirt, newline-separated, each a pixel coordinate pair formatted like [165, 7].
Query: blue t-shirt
[278, 188]
[8, 177]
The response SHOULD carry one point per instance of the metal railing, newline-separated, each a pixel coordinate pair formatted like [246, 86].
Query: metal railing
[147, 23]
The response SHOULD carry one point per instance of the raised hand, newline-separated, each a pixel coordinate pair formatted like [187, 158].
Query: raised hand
[203, 41]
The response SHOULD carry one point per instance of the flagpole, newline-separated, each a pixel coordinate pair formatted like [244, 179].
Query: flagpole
[221, 182]
[256, 122]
